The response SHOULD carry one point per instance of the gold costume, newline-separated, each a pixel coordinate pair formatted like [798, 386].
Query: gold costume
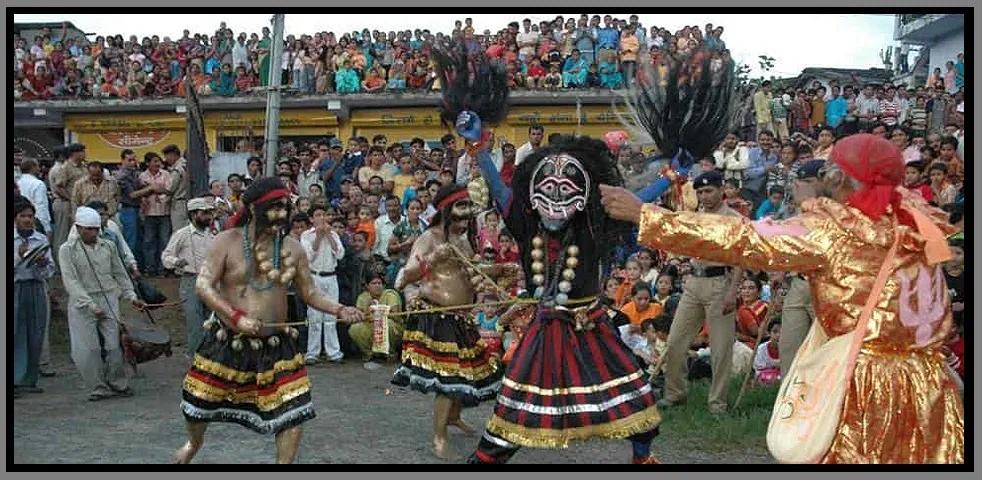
[901, 406]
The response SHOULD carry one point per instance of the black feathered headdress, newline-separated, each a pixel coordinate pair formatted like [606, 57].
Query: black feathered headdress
[470, 82]
[684, 105]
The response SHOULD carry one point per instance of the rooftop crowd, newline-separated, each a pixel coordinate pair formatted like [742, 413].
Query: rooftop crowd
[565, 53]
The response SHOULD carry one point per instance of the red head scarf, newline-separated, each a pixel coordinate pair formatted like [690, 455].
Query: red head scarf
[879, 165]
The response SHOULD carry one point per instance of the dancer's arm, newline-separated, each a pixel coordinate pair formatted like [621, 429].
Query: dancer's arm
[500, 192]
[800, 244]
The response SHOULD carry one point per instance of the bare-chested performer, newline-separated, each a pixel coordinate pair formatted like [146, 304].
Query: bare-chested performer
[442, 352]
[245, 372]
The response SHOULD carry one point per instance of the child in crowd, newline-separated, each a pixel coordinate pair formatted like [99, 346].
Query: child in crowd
[954, 272]
[405, 179]
[507, 249]
[536, 75]
[366, 223]
[914, 180]
[773, 205]
[299, 224]
[632, 271]
[419, 181]
[490, 230]
[646, 258]
[554, 79]
[487, 323]
[767, 364]
[732, 198]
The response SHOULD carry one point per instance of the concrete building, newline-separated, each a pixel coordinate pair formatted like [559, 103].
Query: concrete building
[940, 37]
[107, 126]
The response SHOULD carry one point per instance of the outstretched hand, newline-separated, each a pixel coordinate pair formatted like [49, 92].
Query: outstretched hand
[621, 204]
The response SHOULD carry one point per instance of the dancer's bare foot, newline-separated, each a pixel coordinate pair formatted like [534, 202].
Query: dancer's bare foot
[185, 453]
[443, 450]
[463, 427]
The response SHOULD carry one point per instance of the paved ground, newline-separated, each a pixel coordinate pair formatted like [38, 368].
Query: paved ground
[360, 419]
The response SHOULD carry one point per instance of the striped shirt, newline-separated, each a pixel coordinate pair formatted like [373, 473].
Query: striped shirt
[889, 110]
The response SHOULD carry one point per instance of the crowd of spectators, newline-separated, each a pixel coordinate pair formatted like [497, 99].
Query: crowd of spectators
[565, 53]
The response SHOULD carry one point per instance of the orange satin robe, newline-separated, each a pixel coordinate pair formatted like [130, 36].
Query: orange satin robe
[902, 406]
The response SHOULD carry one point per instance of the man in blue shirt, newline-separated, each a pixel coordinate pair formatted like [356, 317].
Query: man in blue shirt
[331, 168]
[835, 109]
[763, 157]
[608, 38]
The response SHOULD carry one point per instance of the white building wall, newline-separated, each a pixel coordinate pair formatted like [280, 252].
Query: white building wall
[946, 48]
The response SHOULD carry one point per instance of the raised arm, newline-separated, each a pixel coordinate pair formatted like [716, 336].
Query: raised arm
[798, 244]
[499, 191]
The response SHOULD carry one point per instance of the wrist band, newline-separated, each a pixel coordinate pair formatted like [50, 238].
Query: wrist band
[424, 267]
[236, 315]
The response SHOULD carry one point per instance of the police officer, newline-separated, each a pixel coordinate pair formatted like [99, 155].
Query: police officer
[708, 296]
[798, 312]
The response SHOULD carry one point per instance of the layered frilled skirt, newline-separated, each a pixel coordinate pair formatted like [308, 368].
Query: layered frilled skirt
[262, 386]
[565, 385]
[444, 353]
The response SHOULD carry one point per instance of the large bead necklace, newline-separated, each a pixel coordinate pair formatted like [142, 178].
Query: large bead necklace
[563, 282]
[269, 264]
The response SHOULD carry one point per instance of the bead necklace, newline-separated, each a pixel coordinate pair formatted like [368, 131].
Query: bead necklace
[273, 270]
[564, 282]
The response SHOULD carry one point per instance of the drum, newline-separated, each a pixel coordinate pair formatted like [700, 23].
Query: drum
[142, 343]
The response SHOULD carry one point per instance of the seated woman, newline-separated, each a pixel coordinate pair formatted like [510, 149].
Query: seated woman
[574, 70]
[363, 333]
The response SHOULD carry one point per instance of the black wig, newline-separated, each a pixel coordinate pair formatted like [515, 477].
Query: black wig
[470, 82]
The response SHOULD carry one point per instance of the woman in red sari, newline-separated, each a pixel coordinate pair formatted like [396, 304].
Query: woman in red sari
[751, 312]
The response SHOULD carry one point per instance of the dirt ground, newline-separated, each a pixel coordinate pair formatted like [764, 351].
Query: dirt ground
[361, 418]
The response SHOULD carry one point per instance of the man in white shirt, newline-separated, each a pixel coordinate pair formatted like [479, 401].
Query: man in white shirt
[240, 54]
[536, 133]
[385, 224]
[36, 191]
[527, 40]
[464, 163]
[186, 253]
[323, 248]
[732, 158]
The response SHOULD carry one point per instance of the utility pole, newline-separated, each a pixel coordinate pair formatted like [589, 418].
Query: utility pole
[272, 142]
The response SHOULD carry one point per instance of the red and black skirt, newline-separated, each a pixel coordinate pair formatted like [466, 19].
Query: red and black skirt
[444, 353]
[259, 383]
[564, 385]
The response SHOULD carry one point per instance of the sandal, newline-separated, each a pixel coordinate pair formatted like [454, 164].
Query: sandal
[95, 397]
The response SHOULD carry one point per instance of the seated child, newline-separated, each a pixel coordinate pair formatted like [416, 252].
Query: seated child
[767, 364]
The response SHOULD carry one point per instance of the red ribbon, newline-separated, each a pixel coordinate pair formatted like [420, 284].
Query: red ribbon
[278, 193]
[452, 199]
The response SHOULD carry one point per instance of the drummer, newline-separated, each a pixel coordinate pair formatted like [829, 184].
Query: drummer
[185, 254]
[95, 279]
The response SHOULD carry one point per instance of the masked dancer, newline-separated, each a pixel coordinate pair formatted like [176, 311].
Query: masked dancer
[571, 378]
